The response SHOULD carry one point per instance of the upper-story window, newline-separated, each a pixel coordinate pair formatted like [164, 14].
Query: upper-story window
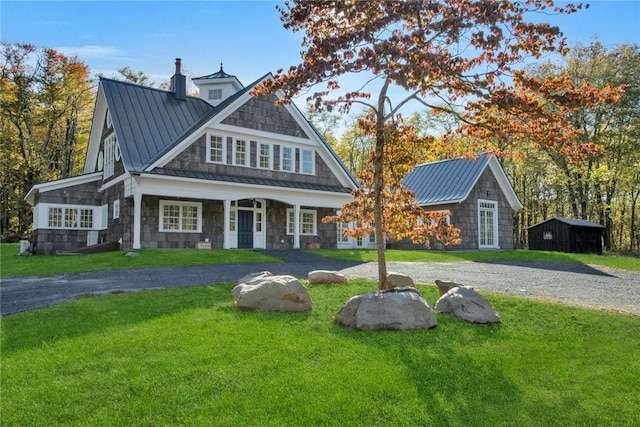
[307, 162]
[286, 159]
[241, 152]
[215, 94]
[264, 156]
[216, 149]
[109, 155]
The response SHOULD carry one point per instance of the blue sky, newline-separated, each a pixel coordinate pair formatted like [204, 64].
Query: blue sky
[247, 36]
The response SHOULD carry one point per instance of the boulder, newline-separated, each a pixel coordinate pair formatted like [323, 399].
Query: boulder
[273, 293]
[398, 280]
[253, 276]
[132, 255]
[464, 302]
[444, 287]
[326, 276]
[396, 309]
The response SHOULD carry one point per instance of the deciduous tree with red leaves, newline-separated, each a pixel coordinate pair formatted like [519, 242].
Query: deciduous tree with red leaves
[459, 57]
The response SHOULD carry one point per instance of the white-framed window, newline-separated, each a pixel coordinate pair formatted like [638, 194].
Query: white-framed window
[241, 152]
[180, 216]
[372, 238]
[70, 217]
[232, 219]
[287, 160]
[109, 155]
[264, 156]
[307, 162]
[341, 227]
[308, 222]
[116, 209]
[258, 222]
[433, 221]
[216, 149]
[487, 224]
[215, 94]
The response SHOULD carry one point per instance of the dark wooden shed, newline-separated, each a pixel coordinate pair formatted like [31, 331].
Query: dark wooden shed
[566, 235]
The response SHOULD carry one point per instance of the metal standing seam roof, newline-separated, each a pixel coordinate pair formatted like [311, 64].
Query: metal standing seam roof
[446, 181]
[252, 180]
[572, 222]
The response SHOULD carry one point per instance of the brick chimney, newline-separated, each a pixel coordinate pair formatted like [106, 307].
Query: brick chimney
[179, 83]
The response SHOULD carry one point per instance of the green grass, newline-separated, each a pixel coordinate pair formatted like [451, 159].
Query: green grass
[189, 357]
[367, 255]
[13, 265]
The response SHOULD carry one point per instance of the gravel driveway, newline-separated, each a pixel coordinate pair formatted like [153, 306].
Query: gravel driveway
[573, 284]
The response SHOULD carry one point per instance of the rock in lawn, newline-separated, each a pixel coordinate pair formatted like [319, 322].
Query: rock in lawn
[467, 304]
[253, 276]
[326, 276]
[444, 287]
[398, 280]
[397, 309]
[273, 293]
[132, 254]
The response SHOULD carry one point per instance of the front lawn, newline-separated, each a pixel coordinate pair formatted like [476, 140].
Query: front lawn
[189, 357]
[13, 265]
[392, 255]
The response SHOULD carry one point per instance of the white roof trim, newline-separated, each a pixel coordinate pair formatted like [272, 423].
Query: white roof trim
[59, 184]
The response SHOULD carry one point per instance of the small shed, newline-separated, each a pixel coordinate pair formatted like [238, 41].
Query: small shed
[566, 235]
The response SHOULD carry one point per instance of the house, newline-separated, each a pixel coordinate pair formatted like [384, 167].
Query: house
[566, 235]
[476, 193]
[166, 170]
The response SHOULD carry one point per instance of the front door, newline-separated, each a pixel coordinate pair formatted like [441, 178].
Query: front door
[245, 229]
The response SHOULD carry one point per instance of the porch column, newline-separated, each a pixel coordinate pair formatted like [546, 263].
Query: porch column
[227, 218]
[296, 226]
[137, 208]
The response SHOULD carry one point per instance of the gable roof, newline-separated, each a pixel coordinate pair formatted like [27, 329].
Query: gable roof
[451, 181]
[572, 222]
[148, 121]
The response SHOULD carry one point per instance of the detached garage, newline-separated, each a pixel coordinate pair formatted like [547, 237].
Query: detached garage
[566, 235]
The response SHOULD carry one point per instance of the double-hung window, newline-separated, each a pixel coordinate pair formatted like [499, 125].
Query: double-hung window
[264, 156]
[180, 216]
[308, 222]
[287, 161]
[109, 155]
[307, 162]
[241, 152]
[215, 149]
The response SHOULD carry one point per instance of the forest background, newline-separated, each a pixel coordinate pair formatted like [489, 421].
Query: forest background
[47, 100]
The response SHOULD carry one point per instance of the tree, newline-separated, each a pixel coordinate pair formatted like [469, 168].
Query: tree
[45, 105]
[456, 57]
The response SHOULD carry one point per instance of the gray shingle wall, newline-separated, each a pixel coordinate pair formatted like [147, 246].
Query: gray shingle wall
[261, 114]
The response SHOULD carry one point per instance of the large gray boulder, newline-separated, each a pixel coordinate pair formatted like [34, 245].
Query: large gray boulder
[397, 309]
[398, 280]
[464, 302]
[273, 293]
[326, 276]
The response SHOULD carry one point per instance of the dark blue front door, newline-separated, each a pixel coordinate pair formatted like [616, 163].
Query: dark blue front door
[245, 229]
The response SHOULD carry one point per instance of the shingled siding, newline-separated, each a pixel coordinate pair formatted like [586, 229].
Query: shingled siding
[260, 113]
[194, 158]
[121, 227]
[277, 237]
[465, 217]
[49, 241]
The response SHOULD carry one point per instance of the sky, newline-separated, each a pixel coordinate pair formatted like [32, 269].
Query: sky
[246, 36]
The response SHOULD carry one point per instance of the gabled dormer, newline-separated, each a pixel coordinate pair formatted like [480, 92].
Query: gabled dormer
[215, 88]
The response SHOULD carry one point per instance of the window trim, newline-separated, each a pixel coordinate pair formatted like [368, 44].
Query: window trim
[289, 224]
[116, 209]
[182, 204]
[224, 148]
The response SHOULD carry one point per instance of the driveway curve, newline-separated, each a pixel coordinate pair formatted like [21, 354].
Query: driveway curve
[573, 284]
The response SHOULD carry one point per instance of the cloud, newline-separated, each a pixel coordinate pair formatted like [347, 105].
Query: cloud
[90, 51]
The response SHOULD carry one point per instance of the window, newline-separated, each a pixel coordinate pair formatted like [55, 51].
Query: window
[180, 216]
[286, 159]
[307, 162]
[72, 217]
[240, 149]
[341, 237]
[116, 209]
[215, 94]
[308, 222]
[216, 149]
[258, 222]
[232, 220]
[109, 155]
[372, 238]
[487, 224]
[264, 157]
